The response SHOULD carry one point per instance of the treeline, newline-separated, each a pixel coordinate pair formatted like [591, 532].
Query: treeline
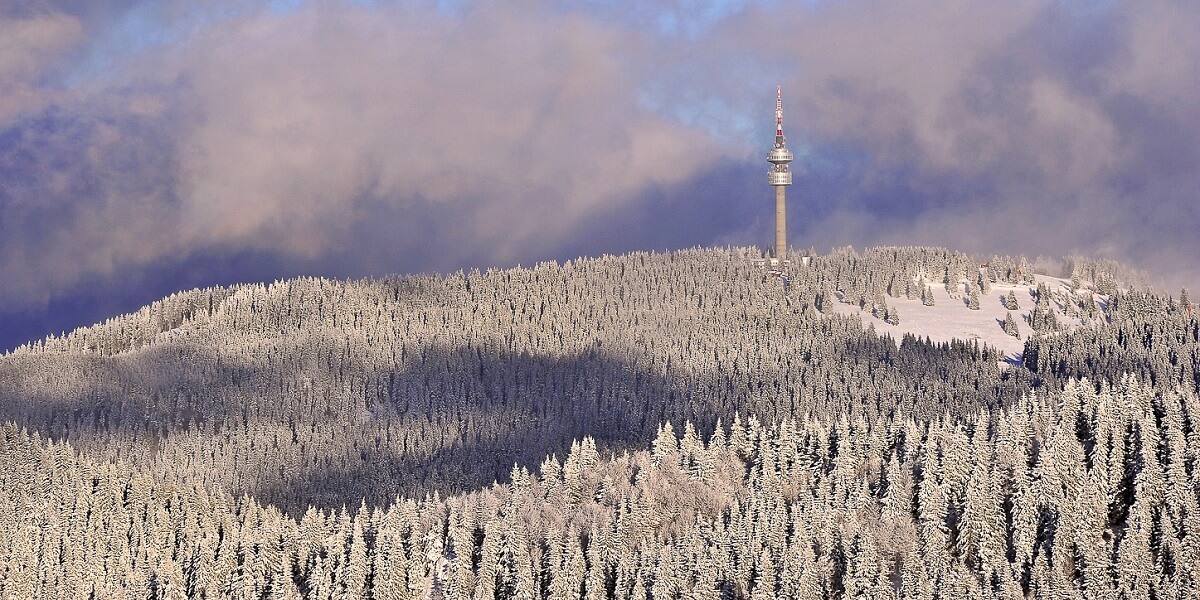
[311, 391]
[1082, 493]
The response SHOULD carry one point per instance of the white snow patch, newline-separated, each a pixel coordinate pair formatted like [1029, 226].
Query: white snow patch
[950, 318]
[172, 333]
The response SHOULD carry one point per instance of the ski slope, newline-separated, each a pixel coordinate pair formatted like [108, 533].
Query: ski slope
[950, 318]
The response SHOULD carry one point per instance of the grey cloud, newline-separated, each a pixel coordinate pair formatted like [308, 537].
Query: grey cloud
[79, 194]
[299, 115]
[28, 48]
[352, 140]
[286, 133]
[1029, 126]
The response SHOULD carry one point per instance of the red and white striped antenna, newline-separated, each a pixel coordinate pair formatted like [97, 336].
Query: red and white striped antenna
[779, 111]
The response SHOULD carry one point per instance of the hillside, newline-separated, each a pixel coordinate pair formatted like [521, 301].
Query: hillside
[311, 394]
[1047, 497]
[324, 392]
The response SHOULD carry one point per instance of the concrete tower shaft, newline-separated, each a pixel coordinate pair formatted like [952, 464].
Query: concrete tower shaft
[779, 177]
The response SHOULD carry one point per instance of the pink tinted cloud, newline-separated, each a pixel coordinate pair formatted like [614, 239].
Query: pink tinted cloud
[28, 47]
[296, 117]
[1023, 127]
[281, 132]
[1029, 126]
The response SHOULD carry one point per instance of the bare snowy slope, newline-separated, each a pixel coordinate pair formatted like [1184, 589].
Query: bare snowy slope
[951, 318]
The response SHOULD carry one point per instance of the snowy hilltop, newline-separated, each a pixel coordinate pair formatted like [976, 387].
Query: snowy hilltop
[869, 422]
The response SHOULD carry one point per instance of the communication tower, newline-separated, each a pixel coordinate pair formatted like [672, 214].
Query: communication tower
[780, 177]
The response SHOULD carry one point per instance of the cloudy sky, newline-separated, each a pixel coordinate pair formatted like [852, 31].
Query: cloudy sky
[152, 146]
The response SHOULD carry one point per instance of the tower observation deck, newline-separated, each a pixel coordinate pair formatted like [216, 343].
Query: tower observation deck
[780, 177]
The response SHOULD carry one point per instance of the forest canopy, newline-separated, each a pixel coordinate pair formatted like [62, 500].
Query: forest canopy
[682, 424]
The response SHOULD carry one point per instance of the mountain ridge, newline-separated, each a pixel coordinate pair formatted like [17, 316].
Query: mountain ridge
[653, 384]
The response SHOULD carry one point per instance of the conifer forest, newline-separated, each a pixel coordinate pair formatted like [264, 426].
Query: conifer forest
[680, 425]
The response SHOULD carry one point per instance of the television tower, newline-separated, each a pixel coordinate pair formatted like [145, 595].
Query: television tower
[780, 177]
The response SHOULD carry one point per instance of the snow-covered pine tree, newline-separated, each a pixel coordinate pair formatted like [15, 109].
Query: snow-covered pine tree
[985, 286]
[1010, 325]
[1041, 318]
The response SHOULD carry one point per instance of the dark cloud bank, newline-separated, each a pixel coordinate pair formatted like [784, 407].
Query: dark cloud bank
[245, 144]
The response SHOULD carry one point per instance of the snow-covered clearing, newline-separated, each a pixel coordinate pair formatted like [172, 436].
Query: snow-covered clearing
[950, 318]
